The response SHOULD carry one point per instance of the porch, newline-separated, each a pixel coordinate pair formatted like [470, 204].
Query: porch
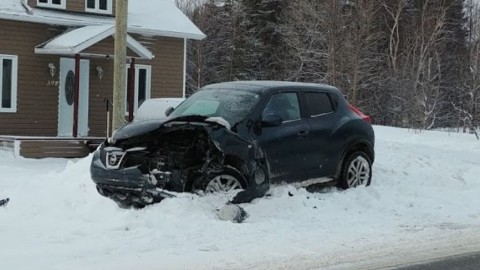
[49, 147]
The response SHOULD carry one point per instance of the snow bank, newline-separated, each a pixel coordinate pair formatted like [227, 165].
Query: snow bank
[424, 196]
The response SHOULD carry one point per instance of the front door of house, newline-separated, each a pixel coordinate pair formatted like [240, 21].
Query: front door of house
[66, 98]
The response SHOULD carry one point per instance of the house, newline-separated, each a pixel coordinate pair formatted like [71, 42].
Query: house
[44, 42]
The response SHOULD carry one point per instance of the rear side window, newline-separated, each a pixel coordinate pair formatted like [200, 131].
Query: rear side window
[319, 103]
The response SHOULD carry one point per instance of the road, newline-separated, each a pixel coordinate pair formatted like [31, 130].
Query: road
[470, 261]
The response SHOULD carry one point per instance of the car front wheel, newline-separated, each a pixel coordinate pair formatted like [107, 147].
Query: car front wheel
[356, 171]
[228, 179]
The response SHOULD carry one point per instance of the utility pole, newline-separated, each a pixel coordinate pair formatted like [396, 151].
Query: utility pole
[120, 60]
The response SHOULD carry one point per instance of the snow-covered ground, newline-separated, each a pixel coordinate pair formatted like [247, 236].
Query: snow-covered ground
[424, 200]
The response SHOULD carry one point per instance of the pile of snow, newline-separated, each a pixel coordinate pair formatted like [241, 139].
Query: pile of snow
[424, 197]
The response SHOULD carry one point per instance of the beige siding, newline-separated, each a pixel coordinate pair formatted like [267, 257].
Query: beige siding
[37, 103]
[167, 76]
[55, 149]
[167, 66]
[76, 5]
[99, 91]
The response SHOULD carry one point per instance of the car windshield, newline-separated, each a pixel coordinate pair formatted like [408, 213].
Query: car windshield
[231, 105]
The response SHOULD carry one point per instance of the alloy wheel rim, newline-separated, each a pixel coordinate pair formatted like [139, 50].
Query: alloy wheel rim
[223, 183]
[358, 172]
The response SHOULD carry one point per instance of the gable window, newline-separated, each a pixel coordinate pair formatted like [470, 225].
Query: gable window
[99, 6]
[52, 3]
[8, 83]
[142, 86]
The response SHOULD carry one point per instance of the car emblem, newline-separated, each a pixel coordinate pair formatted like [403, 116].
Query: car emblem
[112, 159]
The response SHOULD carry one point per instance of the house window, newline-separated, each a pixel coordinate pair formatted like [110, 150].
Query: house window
[52, 3]
[142, 86]
[8, 83]
[99, 6]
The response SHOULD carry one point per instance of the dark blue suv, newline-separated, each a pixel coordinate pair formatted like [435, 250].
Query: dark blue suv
[238, 135]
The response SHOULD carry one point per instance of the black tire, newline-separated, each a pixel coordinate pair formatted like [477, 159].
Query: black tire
[124, 205]
[127, 204]
[355, 161]
[205, 183]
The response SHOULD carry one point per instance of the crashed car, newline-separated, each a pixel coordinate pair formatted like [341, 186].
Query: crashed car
[238, 135]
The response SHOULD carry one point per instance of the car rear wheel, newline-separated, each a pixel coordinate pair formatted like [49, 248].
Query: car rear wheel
[356, 171]
[228, 179]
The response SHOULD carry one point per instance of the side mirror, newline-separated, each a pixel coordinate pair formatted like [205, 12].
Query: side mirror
[168, 111]
[271, 120]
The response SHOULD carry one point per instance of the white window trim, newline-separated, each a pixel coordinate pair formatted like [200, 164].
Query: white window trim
[148, 86]
[14, 59]
[63, 4]
[97, 7]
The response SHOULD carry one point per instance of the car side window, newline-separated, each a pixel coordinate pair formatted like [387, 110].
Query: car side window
[284, 104]
[319, 103]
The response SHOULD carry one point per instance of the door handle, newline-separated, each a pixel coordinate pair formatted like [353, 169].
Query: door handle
[303, 133]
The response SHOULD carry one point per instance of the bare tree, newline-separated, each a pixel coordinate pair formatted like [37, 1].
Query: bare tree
[469, 103]
[394, 14]
[361, 63]
[306, 55]
[195, 10]
[416, 39]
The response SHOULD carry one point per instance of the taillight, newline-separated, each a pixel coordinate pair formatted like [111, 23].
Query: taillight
[357, 111]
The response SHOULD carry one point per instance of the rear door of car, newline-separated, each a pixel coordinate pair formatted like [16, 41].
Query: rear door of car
[322, 119]
[286, 145]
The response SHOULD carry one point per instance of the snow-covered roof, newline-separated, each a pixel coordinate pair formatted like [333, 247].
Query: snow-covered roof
[160, 16]
[148, 17]
[77, 40]
[11, 6]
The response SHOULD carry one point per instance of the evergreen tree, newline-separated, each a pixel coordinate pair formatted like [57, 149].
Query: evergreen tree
[408, 63]
[263, 40]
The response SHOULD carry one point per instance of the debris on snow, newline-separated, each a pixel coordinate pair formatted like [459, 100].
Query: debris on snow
[4, 202]
[232, 212]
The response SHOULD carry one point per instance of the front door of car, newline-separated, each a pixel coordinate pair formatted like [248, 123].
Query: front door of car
[285, 144]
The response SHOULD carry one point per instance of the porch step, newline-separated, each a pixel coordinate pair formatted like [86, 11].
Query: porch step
[51, 147]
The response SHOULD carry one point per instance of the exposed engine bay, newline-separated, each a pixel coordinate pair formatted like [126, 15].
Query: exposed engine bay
[178, 156]
[175, 157]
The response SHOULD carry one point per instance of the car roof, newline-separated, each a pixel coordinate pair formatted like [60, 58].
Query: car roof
[269, 86]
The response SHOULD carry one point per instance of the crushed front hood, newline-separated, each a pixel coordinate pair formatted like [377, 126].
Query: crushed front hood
[135, 129]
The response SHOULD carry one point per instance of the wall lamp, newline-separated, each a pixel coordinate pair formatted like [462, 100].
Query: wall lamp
[52, 68]
[99, 72]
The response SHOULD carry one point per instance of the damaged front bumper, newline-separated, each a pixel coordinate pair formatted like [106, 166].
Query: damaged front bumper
[126, 186]
[146, 162]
